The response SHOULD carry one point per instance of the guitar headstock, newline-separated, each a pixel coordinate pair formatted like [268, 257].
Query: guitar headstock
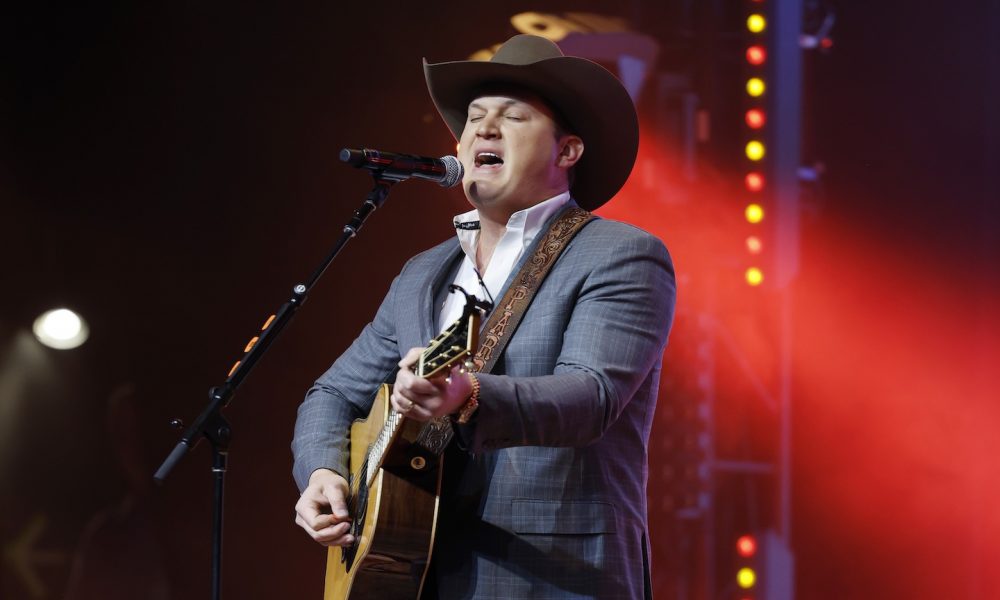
[456, 342]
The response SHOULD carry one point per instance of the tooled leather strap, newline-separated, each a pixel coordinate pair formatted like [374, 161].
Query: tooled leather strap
[509, 311]
[507, 314]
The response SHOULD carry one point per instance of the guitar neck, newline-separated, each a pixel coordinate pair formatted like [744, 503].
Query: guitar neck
[376, 454]
[447, 349]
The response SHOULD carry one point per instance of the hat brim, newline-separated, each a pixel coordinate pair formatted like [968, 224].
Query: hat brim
[593, 102]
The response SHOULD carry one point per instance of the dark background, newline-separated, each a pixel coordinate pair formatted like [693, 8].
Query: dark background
[169, 171]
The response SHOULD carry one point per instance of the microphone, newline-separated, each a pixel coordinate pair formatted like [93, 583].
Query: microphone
[446, 171]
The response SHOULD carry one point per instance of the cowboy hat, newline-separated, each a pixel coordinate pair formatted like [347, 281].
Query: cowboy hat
[592, 101]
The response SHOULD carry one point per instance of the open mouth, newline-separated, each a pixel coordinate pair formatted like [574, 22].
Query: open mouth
[488, 159]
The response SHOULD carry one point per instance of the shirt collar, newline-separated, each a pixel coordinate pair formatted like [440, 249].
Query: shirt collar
[524, 223]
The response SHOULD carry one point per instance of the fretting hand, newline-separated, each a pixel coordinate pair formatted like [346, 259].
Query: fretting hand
[422, 398]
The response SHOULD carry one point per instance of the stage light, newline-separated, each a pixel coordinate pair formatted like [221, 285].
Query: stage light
[756, 55]
[755, 118]
[756, 23]
[61, 329]
[746, 546]
[754, 181]
[755, 150]
[746, 577]
[747, 560]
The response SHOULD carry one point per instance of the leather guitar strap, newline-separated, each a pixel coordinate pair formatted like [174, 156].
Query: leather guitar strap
[509, 311]
[507, 314]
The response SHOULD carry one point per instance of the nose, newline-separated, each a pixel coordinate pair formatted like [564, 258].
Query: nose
[487, 128]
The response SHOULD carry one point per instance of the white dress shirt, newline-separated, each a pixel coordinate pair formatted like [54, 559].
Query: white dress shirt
[522, 227]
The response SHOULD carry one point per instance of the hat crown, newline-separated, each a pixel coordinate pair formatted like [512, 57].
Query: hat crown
[525, 49]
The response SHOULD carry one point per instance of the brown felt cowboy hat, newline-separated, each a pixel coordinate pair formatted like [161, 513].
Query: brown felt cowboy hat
[593, 102]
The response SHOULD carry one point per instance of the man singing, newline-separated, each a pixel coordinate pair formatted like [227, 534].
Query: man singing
[544, 492]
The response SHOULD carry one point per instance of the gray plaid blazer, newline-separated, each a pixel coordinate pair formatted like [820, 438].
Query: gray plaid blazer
[545, 489]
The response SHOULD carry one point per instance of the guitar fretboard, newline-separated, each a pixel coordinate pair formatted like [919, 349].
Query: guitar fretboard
[377, 452]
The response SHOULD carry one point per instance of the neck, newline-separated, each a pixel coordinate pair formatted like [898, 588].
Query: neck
[490, 233]
[492, 226]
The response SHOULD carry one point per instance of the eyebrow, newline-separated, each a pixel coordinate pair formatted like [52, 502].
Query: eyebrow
[507, 102]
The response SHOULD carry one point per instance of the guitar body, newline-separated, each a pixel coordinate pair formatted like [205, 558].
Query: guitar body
[396, 467]
[393, 517]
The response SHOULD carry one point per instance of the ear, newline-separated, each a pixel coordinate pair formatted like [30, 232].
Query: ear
[570, 151]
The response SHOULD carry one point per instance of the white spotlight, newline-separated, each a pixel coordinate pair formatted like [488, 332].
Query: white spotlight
[61, 328]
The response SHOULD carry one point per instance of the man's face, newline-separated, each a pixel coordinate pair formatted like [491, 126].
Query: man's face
[510, 153]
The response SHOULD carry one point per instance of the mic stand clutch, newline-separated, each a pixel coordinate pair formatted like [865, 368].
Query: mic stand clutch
[211, 423]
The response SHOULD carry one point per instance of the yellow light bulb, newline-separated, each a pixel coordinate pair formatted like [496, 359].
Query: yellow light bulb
[756, 23]
[755, 87]
[754, 277]
[754, 213]
[755, 150]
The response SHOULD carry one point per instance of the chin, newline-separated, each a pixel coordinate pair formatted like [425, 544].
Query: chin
[480, 193]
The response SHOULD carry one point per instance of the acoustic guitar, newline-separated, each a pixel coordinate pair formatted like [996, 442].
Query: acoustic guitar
[395, 482]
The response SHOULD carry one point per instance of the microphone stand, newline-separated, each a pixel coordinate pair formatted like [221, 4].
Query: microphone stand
[211, 424]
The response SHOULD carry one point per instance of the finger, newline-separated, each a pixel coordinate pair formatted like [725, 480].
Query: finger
[344, 541]
[335, 496]
[418, 413]
[407, 379]
[420, 410]
[322, 505]
[411, 358]
[312, 526]
[334, 535]
[322, 521]
[415, 389]
[309, 509]
[401, 404]
[441, 381]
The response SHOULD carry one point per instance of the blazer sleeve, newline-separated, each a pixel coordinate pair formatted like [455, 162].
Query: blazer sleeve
[615, 338]
[345, 392]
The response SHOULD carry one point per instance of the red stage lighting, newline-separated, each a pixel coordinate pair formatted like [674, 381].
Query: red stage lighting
[755, 118]
[756, 55]
[746, 546]
[754, 181]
